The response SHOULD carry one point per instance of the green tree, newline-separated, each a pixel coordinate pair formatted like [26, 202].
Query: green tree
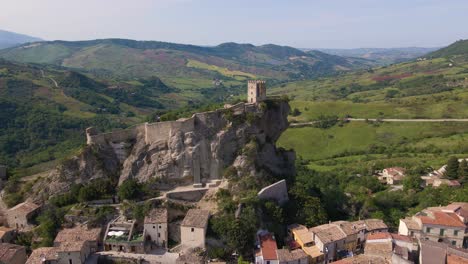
[130, 189]
[463, 169]
[451, 171]
[412, 182]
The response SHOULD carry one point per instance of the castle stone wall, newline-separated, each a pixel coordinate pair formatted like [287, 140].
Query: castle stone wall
[207, 123]
[277, 191]
[163, 130]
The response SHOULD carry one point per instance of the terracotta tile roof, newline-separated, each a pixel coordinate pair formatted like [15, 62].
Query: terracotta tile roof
[378, 236]
[411, 224]
[290, 255]
[402, 238]
[383, 249]
[453, 259]
[432, 252]
[24, 208]
[8, 251]
[363, 259]
[375, 224]
[442, 219]
[454, 183]
[48, 253]
[302, 233]
[196, 218]
[268, 247]
[77, 234]
[156, 216]
[350, 228]
[328, 233]
[313, 251]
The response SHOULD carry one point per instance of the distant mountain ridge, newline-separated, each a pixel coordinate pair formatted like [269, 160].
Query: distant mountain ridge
[10, 39]
[180, 64]
[382, 55]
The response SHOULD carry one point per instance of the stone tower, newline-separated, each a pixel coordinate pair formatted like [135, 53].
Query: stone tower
[256, 91]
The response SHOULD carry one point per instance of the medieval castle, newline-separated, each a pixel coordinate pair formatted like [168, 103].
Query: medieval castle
[200, 162]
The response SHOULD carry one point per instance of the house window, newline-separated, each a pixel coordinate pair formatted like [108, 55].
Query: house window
[159, 234]
[428, 229]
[193, 229]
[159, 226]
[70, 261]
[455, 232]
[412, 233]
[454, 243]
[441, 232]
[154, 227]
[268, 262]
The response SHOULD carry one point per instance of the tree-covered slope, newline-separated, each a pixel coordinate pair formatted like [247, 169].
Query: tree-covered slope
[459, 48]
[44, 110]
[231, 63]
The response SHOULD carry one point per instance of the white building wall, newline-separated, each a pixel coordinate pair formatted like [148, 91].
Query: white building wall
[403, 229]
[157, 233]
[192, 236]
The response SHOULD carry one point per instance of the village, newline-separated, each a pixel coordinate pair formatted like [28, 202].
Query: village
[175, 229]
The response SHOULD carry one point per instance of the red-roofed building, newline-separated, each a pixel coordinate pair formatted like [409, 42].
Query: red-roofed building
[266, 252]
[439, 224]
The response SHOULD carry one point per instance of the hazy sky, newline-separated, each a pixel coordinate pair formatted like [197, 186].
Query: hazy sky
[298, 23]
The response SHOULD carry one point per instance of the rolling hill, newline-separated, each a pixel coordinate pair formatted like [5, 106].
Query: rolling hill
[45, 109]
[10, 39]
[433, 86]
[382, 56]
[184, 66]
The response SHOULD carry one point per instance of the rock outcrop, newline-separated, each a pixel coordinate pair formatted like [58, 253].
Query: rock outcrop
[195, 150]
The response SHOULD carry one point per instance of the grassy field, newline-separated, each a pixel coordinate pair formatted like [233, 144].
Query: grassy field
[359, 143]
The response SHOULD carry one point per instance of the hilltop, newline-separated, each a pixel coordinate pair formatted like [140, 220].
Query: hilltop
[184, 66]
[10, 39]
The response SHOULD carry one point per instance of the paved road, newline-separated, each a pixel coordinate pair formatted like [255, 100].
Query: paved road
[388, 120]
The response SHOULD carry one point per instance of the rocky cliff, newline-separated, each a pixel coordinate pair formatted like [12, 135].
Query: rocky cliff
[197, 150]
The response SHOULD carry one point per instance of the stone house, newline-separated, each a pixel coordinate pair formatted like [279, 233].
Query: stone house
[19, 216]
[300, 237]
[12, 254]
[80, 233]
[156, 227]
[122, 235]
[394, 248]
[193, 228]
[266, 251]
[44, 255]
[393, 175]
[355, 234]
[7, 234]
[72, 252]
[330, 239]
[438, 224]
[295, 256]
